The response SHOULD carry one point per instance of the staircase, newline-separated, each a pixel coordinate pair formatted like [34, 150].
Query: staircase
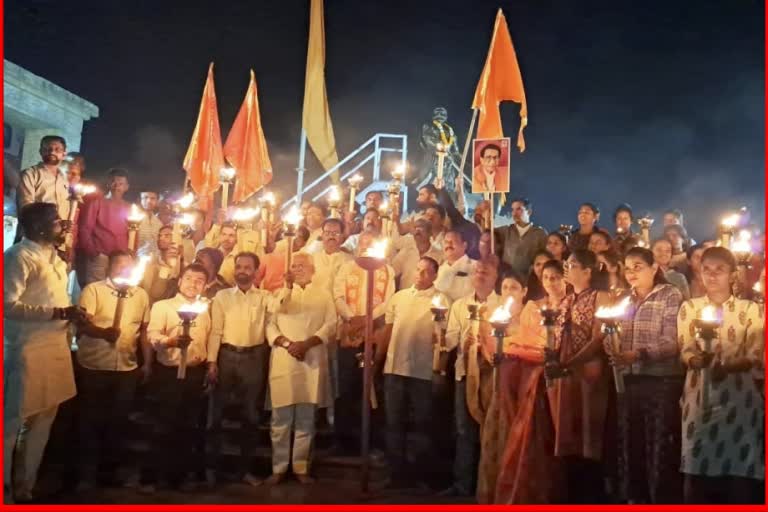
[367, 160]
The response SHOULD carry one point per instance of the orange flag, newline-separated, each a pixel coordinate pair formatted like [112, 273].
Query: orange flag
[205, 156]
[500, 81]
[246, 148]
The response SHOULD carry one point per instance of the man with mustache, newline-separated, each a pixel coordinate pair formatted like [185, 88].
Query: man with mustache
[44, 182]
[238, 355]
[37, 365]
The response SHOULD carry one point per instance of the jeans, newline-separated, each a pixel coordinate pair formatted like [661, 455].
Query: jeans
[467, 443]
[407, 398]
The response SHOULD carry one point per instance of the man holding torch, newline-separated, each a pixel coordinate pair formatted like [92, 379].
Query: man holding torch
[107, 364]
[179, 400]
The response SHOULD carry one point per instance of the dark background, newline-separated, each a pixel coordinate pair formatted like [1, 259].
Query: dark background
[659, 103]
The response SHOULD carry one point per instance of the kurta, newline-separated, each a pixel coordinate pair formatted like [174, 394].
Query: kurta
[727, 438]
[37, 364]
[327, 267]
[305, 313]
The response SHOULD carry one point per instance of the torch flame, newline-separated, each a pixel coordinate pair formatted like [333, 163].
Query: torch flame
[440, 147]
[241, 214]
[758, 288]
[186, 201]
[378, 249]
[293, 216]
[268, 198]
[136, 274]
[741, 245]
[197, 307]
[613, 312]
[709, 314]
[646, 220]
[227, 173]
[355, 180]
[438, 302]
[136, 215]
[730, 221]
[334, 195]
[83, 190]
[399, 171]
[384, 209]
[501, 314]
[186, 219]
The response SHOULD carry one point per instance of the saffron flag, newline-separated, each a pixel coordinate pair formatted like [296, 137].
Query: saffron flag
[205, 156]
[500, 81]
[246, 147]
[316, 118]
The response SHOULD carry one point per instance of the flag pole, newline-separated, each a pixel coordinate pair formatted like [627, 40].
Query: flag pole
[461, 196]
[493, 221]
[300, 169]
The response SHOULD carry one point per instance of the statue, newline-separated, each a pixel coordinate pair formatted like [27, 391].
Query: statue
[439, 132]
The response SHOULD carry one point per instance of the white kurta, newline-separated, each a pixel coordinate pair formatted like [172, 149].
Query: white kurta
[327, 267]
[455, 281]
[37, 363]
[307, 312]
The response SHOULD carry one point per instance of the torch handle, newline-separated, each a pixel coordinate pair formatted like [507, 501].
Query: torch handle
[73, 205]
[618, 375]
[550, 346]
[352, 191]
[646, 235]
[288, 252]
[706, 376]
[132, 239]
[224, 195]
[118, 312]
[182, 371]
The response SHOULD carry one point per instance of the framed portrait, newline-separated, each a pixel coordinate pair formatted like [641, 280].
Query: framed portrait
[490, 165]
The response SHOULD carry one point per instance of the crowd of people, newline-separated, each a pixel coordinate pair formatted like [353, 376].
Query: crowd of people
[534, 419]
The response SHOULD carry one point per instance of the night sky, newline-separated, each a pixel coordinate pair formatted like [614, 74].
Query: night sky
[658, 103]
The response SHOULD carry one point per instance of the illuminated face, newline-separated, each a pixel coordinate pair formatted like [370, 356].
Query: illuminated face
[623, 221]
[638, 273]
[425, 198]
[74, 173]
[315, 217]
[555, 246]
[433, 216]
[717, 276]
[118, 186]
[373, 200]
[489, 160]
[662, 252]
[303, 268]
[52, 152]
[576, 274]
[553, 282]
[228, 238]
[331, 237]
[671, 219]
[422, 231]
[484, 277]
[425, 275]
[149, 201]
[192, 284]
[520, 214]
[598, 243]
[586, 216]
[164, 239]
[538, 264]
[372, 221]
[121, 266]
[453, 246]
[511, 288]
[245, 270]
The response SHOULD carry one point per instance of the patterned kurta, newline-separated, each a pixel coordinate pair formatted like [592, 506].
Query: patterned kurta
[726, 438]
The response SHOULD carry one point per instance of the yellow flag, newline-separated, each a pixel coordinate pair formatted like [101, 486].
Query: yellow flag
[316, 119]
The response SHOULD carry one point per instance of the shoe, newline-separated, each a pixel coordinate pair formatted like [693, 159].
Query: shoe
[305, 479]
[275, 479]
[24, 497]
[252, 480]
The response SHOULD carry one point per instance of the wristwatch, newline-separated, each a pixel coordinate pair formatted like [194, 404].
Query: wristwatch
[285, 343]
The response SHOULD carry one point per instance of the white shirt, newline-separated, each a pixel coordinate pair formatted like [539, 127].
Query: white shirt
[239, 318]
[99, 299]
[305, 313]
[410, 348]
[37, 361]
[164, 323]
[327, 267]
[455, 280]
[459, 326]
[38, 185]
[405, 260]
[352, 276]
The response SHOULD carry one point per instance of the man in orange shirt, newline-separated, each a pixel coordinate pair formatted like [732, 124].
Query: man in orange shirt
[272, 269]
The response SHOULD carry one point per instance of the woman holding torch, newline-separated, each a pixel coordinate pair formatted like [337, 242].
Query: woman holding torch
[723, 437]
[579, 396]
[648, 353]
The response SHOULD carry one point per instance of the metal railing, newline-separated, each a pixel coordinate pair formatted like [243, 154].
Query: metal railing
[320, 186]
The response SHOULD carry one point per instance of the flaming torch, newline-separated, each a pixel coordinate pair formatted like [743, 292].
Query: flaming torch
[123, 284]
[291, 221]
[76, 194]
[548, 317]
[439, 309]
[371, 260]
[334, 202]
[499, 320]
[726, 228]
[742, 250]
[268, 203]
[394, 188]
[385, 212]
[227, 177]
[610, 317]
[441, 151]
[758, 294]
[645, 228]
[354, 186]
[566, 230]
[188, 313]
[134, 219]
[707, 327]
